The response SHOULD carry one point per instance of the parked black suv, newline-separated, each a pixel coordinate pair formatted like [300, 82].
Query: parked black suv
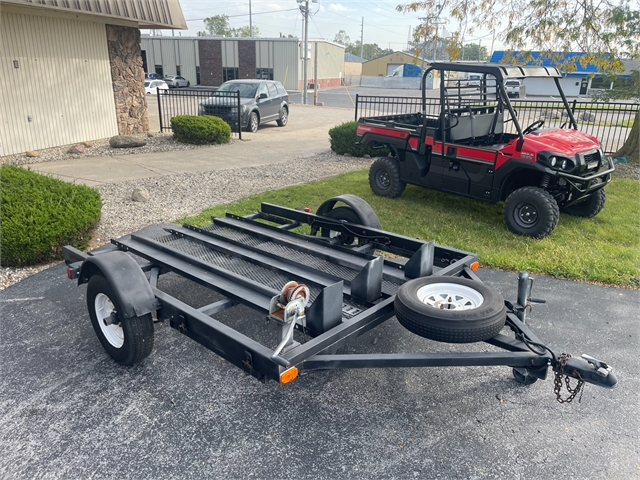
[261, 101]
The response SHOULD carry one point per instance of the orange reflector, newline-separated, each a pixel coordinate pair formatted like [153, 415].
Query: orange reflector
[475, 266]
[288, 375]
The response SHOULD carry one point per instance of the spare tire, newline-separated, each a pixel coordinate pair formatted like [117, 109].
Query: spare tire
[450, 309]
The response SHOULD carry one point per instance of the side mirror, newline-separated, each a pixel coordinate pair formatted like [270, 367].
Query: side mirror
[263, 95]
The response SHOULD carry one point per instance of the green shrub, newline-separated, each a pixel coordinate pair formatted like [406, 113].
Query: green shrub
[200, 130]
[40, 214]
[343, 140]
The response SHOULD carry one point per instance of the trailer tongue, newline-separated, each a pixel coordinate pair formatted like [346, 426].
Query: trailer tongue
[318, 291]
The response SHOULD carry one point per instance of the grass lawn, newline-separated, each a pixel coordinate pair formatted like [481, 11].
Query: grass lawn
[604, 249]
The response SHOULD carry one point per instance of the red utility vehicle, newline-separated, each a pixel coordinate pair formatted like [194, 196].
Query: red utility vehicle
[471, 143]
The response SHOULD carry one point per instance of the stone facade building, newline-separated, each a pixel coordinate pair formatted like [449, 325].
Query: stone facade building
[72, 71]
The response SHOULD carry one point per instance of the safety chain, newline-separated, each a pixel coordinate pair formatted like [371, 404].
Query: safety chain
[561, 362]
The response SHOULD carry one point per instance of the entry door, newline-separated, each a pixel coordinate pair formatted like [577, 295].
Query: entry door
[583, 86]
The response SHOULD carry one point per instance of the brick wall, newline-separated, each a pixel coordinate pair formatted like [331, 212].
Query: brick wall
[210, 52]
[247, 59]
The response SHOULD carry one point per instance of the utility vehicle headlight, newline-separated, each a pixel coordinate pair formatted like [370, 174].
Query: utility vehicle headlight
[553, 161]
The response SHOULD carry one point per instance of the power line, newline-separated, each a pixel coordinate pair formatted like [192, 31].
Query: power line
[243, 14]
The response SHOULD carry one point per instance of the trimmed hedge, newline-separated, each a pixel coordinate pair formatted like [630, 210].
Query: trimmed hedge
[343, 140]
[41, 214]
[200, 130]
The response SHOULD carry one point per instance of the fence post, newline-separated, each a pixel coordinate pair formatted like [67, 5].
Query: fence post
[239, 116]
[159, 108]
[356, 107]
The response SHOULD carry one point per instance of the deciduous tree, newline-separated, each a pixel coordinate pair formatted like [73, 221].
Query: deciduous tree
[605, 30]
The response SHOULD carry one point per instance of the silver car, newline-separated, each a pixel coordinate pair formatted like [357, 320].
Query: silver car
[176, 81]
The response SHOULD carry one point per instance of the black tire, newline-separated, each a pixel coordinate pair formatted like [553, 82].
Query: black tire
[283, 119]
[450, 309]
[254, 122]
[384, 178]
[129, 340]
[531, 211]
[347, 214]
[589, 207]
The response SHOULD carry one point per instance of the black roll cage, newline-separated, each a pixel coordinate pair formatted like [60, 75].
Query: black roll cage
[500, 73]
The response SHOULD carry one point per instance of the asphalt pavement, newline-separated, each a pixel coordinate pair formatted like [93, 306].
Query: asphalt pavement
[68, 411]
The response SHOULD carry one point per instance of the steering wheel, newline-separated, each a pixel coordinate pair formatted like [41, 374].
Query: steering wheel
[534, 126]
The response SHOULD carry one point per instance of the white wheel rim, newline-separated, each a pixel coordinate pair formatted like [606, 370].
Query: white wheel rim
[104, 308]
[450, 296]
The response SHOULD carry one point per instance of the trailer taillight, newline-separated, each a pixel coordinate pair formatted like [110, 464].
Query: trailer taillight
[70, 273]
[288, 375]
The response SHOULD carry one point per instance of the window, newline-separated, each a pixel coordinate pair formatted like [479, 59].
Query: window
[281, 89]
[273, 92]
[159, 70]
[178, 67]
[229, 74]
[263, 89]
[198, 75]
[264, 73]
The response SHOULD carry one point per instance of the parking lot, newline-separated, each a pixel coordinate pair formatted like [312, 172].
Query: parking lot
[68, 411]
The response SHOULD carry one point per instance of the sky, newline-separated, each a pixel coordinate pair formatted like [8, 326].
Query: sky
[383, 25]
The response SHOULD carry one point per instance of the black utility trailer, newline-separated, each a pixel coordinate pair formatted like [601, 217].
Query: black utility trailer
[321, 280]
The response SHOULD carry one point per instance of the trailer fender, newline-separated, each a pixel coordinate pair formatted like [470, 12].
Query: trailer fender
[129, 282]
[367, 216]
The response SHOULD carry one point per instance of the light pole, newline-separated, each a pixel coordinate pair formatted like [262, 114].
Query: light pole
[304, 8]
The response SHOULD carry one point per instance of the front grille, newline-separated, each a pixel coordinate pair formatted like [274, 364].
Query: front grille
[591, 157]
[217, 110]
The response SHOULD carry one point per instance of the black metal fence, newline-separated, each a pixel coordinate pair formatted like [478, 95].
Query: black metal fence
[610, 123]
[225, 105]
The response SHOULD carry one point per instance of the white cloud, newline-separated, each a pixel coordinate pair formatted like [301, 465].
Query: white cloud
[337, 7]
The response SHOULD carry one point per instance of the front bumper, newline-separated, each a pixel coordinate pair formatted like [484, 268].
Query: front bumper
[585, 186]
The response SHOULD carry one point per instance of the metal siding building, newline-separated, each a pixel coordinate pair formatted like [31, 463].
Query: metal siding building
[281, 56]
[57, 69]
[41, 109]
[169, 53]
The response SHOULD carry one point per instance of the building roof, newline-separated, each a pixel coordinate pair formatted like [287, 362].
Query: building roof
[155, 14]
[556, 59]
[350, 57]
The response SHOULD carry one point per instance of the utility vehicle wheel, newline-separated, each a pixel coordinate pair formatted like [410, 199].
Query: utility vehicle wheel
[128, 341]
[531, 211]
[284, 117]
[589, 207]
[384, 178]
[450, 309]
[524, 378]
[341, 213]
[254, 122]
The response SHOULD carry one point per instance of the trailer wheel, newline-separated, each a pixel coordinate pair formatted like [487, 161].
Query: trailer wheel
[384, 178]
[589, 207]
[127, 340]
[450, 309]
[531, 211]
[347, 214]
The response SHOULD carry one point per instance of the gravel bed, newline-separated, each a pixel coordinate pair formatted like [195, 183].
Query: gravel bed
[176, 196]
[156, 142]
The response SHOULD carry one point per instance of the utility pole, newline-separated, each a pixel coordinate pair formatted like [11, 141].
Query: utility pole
[362, 39]
[479, 43]
[250, 22]
[304, 8]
